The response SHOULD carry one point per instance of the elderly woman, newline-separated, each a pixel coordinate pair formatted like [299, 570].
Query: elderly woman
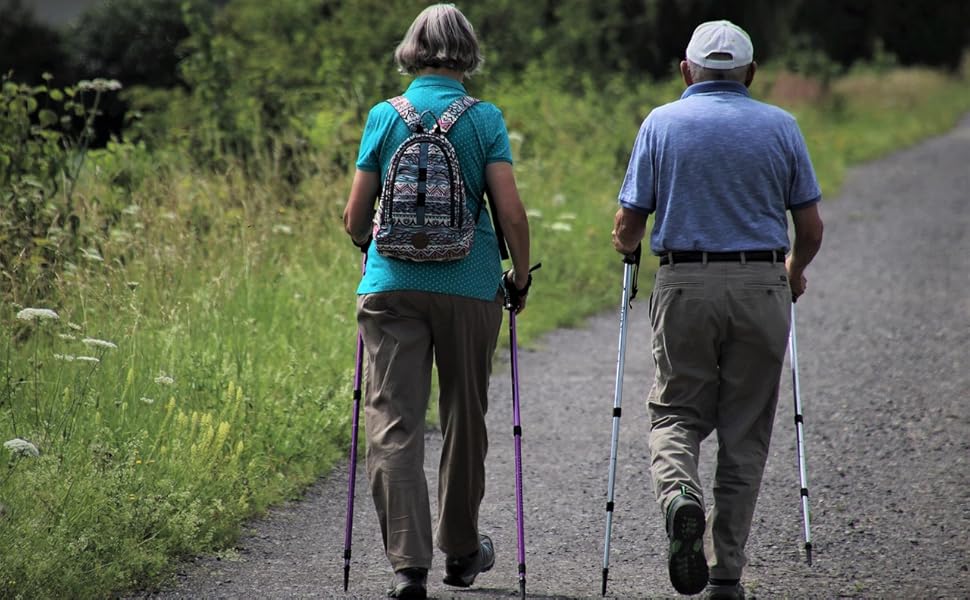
[412, 314]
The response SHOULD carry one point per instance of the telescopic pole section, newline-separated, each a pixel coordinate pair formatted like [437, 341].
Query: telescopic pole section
[800, 436]
[352, 479]
[517, 433]
[628, 279]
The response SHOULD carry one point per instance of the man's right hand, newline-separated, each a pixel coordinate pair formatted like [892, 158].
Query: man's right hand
[796, 281]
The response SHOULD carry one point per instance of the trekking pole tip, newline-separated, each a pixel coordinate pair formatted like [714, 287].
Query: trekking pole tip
[346, 576]
[606, 572]
[808, 553]
[522, 588]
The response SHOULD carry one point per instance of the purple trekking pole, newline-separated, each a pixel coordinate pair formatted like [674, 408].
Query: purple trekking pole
[352, 482]
[511, 304]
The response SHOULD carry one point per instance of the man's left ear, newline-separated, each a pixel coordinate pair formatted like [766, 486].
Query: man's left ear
[749, 77]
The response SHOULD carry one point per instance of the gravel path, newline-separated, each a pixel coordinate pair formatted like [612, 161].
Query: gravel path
[884, 343]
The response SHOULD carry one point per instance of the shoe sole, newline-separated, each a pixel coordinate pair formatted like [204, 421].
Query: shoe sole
[464, 582]
[412, 592]
[686, 563]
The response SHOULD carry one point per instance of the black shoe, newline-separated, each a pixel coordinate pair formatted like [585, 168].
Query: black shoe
[733, 591]
[411, 584]
[462, 571]
[685, 530]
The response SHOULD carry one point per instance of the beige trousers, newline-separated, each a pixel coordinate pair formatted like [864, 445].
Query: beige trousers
[720, 332]
[404, 332]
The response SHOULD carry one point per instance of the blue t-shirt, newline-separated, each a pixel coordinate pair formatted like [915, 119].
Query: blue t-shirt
[480, 138]
[719, 169]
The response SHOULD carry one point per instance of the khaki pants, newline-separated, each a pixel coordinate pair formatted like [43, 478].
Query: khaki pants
[404, 332]
[720, 332]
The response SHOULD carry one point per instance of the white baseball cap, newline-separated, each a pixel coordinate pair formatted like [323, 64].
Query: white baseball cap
[729, 44]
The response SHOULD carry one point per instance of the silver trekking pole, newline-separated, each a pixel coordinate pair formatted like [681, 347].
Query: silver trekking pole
[631, 266]
[800, 436]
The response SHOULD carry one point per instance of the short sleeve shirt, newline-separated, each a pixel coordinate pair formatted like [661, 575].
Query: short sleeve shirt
[719, 170]
[480, 138]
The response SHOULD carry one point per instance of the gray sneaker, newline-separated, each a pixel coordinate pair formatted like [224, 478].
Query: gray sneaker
[462, 571]
[686, 564]
[725, 592]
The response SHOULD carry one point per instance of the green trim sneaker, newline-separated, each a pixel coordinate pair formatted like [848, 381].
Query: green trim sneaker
[686, 564]
[462, 571]
[410, 584]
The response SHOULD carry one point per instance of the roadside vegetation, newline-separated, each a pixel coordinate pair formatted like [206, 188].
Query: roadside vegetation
[177, 318]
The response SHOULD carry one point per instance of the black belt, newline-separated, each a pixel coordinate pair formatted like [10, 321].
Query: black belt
[739, 257]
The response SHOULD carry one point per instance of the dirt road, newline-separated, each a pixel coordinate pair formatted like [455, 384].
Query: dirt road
[884, 344]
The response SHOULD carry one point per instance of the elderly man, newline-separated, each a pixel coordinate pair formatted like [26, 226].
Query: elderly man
[719, 171]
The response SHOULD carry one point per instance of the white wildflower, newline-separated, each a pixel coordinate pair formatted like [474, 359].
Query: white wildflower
[64, 357]
[21, 447]
[568, 216]
[89, 359]
[67, 336]
[99, 85]
[147, 400]
[36, 314]
[534, 213]
[284, 229]
[74, 326]
[559, 199]
[164, 380]
[92, 254]
[132, 285]
[131, 209]
[560, 226]
[515, 136]
[99, 343]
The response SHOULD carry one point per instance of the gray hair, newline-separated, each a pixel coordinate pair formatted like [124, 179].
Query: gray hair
[699, 73]
[440, 37]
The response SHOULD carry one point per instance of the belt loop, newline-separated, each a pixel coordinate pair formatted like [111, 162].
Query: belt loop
[744, 257]
[704, 258]
[774, 257]
[670, 259]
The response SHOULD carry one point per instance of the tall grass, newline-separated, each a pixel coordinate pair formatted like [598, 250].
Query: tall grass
[220, 310]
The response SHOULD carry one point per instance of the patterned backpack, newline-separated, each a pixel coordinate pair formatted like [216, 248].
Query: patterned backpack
[422, 215]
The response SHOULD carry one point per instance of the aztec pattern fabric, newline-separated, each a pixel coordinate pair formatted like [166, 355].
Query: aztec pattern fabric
[422, 215]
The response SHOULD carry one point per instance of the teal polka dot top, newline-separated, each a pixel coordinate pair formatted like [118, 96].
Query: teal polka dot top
[480, 138]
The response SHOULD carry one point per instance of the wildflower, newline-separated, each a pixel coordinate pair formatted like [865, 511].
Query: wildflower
[131, 209]
[147, 400]
[99, 343]
[92, 254]
[132, 285]
[559, 199]
[66, 336]
[21, 447]
[74, 326]
[99, 85]
[534, 213]
[89, 359]
[560, 226]
[164, 380]
[36, 314]
[284, 229]
[568, 216]
[515, 136]
[64, 357]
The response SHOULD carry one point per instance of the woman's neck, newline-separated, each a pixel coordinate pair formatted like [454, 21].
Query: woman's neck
[443, 72]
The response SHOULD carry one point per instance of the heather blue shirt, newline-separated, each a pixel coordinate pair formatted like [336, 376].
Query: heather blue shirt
[719, 170]
[480, 138]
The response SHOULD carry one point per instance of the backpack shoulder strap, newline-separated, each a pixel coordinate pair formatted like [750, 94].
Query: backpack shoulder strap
[453, 112]
[407, 111]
